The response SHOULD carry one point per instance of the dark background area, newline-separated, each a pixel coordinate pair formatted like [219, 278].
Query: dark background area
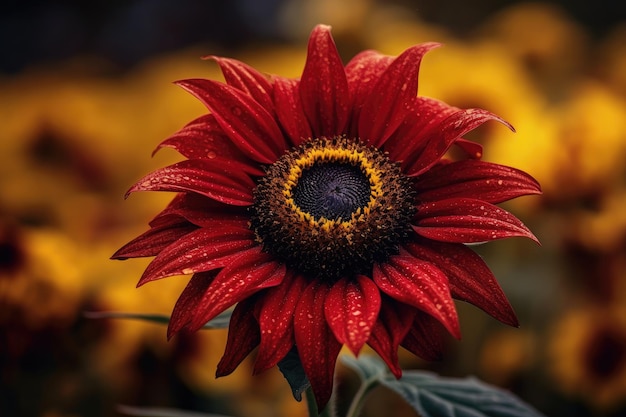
[126, 32]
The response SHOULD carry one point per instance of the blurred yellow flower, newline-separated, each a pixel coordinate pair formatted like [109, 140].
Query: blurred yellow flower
[603, 228]
[578, 147]
[546, 42]
[40, 278]
[587, 355]
[591, 139]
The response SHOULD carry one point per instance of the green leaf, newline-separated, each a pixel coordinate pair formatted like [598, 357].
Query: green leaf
[366, 366]
[160, 412]
[434, 396]
[219, 322]
[292, 370]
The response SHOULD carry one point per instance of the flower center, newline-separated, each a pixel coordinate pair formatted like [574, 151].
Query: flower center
[333, 208]
[12, 254]
[606, 353]
[332, 191]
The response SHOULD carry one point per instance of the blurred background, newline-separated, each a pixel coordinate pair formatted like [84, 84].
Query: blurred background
[86, 94]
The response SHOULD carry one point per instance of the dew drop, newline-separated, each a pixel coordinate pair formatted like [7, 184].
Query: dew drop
[211, 154]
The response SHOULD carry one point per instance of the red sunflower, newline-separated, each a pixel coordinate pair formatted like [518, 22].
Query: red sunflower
[325, 208]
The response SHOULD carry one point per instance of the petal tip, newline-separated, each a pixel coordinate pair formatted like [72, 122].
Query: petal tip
[322, 27]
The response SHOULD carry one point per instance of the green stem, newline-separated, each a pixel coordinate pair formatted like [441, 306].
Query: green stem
[326, 411]
[359, 398]
[311, 404]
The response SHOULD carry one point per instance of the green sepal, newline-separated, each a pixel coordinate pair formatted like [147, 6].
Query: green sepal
[292, 370]
[219, 322]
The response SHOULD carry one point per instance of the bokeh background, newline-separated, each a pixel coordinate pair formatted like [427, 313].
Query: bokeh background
[86, 94]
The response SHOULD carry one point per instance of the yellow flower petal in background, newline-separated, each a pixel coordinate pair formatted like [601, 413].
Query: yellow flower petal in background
[43, 284]
[575, 149]
[546, 42]
[591, 143]
[603, 228]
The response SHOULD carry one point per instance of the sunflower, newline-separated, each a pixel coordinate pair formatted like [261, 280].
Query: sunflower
[587, 355]
[327, 210]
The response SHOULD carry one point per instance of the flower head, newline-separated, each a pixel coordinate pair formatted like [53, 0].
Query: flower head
[326, 209]
[587, 355]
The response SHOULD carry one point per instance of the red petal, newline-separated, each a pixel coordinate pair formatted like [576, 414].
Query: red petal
[439, 137]
[473, 150]
[207, 218]
[251, 128]
[243, 337]
[394, 321]
[289, 110]
[202, 211]
[317, 346]
[224, 182]
[155, 239]
[323, 86]
[466, 220]
[188, 302]
[362, 72]
[351, 309]
[276, 322]
[424, 339]
[201, 250]
[247, 79]
[420, 284]
[470, 278]
[392, 97]
[410, 138]
[245, 275]
[475, 179]
[203, 138]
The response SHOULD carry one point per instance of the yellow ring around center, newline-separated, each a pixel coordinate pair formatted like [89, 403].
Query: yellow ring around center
[328, 155]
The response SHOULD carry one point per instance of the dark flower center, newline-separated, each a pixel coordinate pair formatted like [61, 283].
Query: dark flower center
[333, 208]
[332, 190]
[606, 352]
[11, 252]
